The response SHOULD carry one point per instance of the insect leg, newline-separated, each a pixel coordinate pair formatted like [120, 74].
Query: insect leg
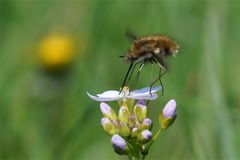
[137, 76]
[160, 61]
[125, 78]
[132, 71]
[159, 79]
[151, 60]
[162, 65]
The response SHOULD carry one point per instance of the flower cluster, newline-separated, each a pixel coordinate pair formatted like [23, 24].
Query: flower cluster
[130, 128]
[130, 123]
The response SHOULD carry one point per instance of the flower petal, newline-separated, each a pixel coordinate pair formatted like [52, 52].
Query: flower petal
[113, 95]
[145, 96]
[102, 99]
[109, 94]
[146, 90]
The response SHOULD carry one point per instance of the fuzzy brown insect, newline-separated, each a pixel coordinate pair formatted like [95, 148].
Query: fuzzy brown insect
[153, 48]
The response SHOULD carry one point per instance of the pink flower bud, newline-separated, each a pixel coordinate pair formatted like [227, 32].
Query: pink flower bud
[168, 115]
[145, 136]
[169, 111]
[108, 126]
[119, 144]
[107, 111]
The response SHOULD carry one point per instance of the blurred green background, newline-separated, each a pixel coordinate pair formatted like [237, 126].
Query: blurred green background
[45, 112]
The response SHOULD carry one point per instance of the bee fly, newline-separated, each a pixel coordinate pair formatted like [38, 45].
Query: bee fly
[152, 48]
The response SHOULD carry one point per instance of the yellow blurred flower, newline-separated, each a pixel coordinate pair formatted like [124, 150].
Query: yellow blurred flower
[56, 51]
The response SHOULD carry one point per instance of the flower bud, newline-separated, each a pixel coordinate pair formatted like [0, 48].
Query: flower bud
[146, 124]
[126, 102]
[132, 120]
[119, 144]
[123, 114]
[140, 110]
[135, 132]
[168, 115]
[137, 125]
[123, 129]
[107, 111]
[108, 126]
[145, 136]
[144, 150]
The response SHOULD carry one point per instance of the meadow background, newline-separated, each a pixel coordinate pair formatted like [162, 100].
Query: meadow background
[45, 112]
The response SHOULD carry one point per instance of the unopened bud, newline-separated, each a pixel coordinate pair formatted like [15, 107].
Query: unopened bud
[144, 149]
[135, 132]
[107, 111]
[119, 144]
[145, 136]
[108, 126]
[137, 125]
[123, 114]
[132, 120]
[146, 124]
[140, 110]
[123, 129]
[168, 115]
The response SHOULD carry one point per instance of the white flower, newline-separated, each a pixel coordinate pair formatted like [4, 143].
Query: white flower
[113, 95]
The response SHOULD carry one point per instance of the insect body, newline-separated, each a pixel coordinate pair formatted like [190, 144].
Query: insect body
[150, 49]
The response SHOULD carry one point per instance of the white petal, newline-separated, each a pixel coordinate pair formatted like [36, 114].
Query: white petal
[155, 89]
[109, 94]
[101, 99]
[145, 96]
[146, 90]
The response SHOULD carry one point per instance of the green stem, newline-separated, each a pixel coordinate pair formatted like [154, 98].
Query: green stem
[133, 151]
[129, 157]
[155, 137]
